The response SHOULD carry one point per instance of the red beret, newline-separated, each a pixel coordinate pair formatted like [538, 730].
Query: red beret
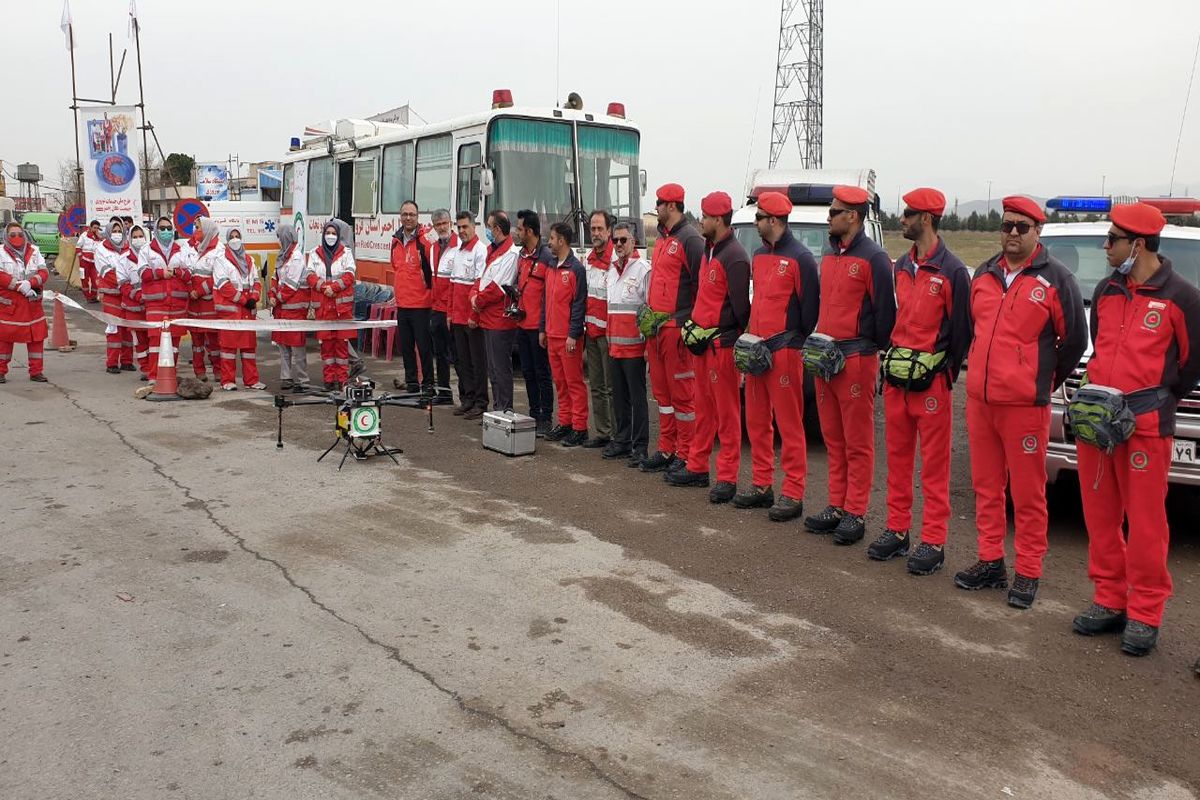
[928, 200]
[1019, 204]
[851, 195]
[1139, 218]
[775, 203]
[716, 204]
[670, 193]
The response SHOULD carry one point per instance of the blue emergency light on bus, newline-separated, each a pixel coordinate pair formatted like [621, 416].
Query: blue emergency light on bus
[1093, 205]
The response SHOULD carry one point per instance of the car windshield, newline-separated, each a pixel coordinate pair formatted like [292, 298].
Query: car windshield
[1084, 256]
[43, 228]
[814, 236]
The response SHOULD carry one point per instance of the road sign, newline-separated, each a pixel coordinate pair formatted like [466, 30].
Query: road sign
[186, 214]
[72, 221]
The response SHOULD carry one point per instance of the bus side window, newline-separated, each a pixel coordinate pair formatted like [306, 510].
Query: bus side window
[470, 170]
[434, 172]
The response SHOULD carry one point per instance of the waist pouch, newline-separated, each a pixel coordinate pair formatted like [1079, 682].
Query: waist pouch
[697, 339]
[1105, 417]
[912, 370]
[752, 354]
[822, 356]
[649, 321]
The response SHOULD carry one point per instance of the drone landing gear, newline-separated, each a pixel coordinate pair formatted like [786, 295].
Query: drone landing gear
[361, 449]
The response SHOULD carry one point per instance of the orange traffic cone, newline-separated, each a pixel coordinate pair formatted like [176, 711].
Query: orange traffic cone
[60, 339]
[166, 384]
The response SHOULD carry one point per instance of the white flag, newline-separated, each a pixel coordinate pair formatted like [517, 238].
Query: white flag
[133, 20]
[65, 24]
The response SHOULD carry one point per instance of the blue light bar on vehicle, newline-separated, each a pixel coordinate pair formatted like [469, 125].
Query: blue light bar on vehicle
[1094, 205]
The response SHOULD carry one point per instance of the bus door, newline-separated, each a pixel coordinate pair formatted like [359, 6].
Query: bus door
[468, 177]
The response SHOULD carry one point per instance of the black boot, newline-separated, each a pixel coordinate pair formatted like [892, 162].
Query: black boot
[890, 544]
[926, 559]
[983, 575]
[785, 509]
[637, 457]
[1023, 591]
[615, 450]
[722, 492]
[824, 522]
[574, 438]
[755, 497]
[1098, 619]
[595, 442]
[557, 433]
[1139, 638]
[850, 529]
[685, 477]
[657, 462]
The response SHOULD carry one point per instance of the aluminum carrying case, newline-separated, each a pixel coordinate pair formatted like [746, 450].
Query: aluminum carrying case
[509, 433]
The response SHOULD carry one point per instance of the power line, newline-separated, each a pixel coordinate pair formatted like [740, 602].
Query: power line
[1183, 119]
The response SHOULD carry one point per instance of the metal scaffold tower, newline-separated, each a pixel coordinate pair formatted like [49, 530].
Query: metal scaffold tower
[799, 80]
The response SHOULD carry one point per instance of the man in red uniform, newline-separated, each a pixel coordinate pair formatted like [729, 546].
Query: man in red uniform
[783, 313]
[723, 305]
[532, 264]
[1030, 331]
[412, 277]
[929, 341]
[675, 265]
[1145, 330]
[858, 309]
[562, 335]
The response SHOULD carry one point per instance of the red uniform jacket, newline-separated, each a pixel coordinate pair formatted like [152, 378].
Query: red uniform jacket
[531, 281]
[165, 296]
[1145, 336]
[595, 319]
[22, 320]
[723, 290]
[787, 290]
[412, 276]
[566, 299]
[675, 266]
[441, 281]
[933, 306]
[858, 299]
[1028, 337]
[490, 298]
[230, 301]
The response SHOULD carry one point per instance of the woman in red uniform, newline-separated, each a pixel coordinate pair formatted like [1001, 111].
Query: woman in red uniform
[235, 297]
[291, 298]
[22, 277]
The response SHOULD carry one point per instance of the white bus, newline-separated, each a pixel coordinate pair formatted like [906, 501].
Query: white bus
[563, 163]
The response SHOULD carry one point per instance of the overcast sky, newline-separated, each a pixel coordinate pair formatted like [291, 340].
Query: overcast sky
[1041, 96]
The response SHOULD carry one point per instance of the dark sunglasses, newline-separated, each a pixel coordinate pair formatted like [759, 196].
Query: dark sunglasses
[910, 212]
[1113, 238]
[833, 212]
[761, 217]
[620, 239]
[165, 229]
[1022, 228]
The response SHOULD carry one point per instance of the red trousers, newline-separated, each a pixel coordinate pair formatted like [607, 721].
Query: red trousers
[1130, 484]
[234, 344]
[155, 341]
[1008, 448]
[718, 414]
[335, 360]
[205, 342]
[139, 338]
[928, 416]
[34, 350]
[778, 393]
[672, 382]
[120, 347]
[567, 370]
[89, 282]
[846, 406]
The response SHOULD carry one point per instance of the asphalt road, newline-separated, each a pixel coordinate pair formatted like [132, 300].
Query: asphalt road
[187, 611]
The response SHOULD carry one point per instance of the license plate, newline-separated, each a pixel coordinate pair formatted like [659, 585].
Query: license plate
[1185, 452]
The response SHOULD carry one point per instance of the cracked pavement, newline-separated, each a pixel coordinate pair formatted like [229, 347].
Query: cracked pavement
[187, 611]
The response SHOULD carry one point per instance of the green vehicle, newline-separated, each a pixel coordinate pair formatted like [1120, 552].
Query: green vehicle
[43, 227]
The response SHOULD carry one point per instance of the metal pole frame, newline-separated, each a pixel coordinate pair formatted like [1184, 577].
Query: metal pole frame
[799, 83]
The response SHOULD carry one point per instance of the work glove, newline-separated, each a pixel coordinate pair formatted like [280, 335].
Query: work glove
[23, 287]
[31, 294]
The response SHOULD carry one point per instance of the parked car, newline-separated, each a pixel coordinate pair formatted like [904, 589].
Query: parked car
[43, 227]
[1081, 247]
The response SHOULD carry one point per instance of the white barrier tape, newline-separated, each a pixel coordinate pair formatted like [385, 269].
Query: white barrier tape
[261, 324]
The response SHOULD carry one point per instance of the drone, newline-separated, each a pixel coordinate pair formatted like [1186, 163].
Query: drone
[358, 418]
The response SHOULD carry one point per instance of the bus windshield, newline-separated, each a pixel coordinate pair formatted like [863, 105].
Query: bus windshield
[608, 171]
[532, 164]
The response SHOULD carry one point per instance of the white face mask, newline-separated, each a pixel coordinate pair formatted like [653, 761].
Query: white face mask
[236, 244]
[137, 243]
[331, 239]
[117, 238]
[1127, 265]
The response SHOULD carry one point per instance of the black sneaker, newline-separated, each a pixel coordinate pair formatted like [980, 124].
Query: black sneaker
[785, 509]
[850, 529]
[983, 575]
[595, 442]
[1023, 591]
[824, 522]
[755, 497]
[1098, 619]
[637, 457]
[113, 370]
[1139, 638]
[657, 462]
[558, 433]
[542, 428]
[574, 439]
[128, 368]
[685, 477]
[890, 544]
[615, 450]
[461, 410]
[722, 492]
[676, 464]
[926, 559]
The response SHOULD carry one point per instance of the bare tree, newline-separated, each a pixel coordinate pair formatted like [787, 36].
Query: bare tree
[70, 182]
